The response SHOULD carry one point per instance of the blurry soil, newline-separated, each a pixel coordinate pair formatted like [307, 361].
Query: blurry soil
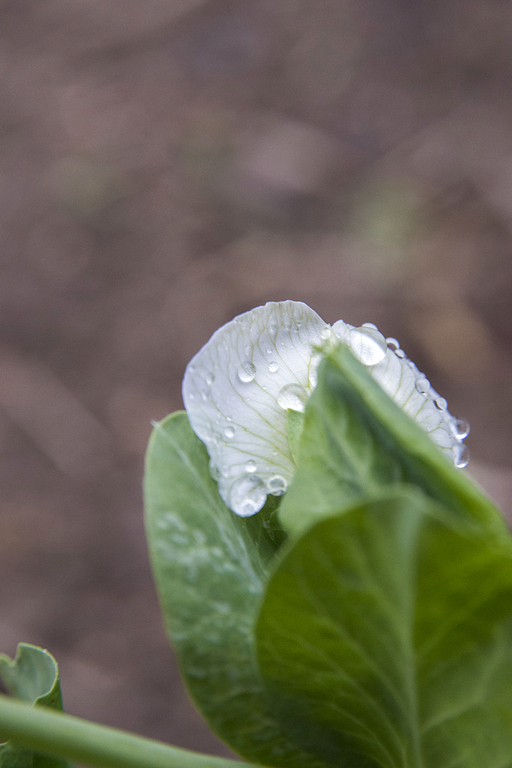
[167, 164]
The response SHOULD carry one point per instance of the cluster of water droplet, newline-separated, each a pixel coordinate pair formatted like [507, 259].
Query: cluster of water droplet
[249, 491]
[372, 349]
[458, 428]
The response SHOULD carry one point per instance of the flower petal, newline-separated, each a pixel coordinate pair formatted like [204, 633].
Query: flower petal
[411, 390]
[236, 391]
[238, 388]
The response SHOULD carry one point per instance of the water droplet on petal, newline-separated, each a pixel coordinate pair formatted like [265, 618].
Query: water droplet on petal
[423, 385]
[250, 466]
[248, 495]
[272, 327]
[460, 428]
[462, 457]
[393, 344]
[205, 394]
[214, 471]
[293, 396]
[440, 403]
[277, 485]
[229, 432]
[368, 345]
[209, 378]
[400, 353]
[247, 372]
[326, 333]
[370, 325]
[273, 366]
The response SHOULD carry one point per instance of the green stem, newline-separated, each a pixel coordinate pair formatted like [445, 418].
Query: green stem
[72, 738]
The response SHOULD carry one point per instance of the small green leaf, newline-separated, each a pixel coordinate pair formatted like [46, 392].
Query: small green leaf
[211, 567]
[385, 639]
[356, 441]
[32, 676]
[294, 427]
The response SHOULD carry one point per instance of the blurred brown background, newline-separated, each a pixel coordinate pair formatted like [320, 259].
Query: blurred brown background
[167, 164]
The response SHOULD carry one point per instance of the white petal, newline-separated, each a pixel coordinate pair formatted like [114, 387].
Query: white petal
[238, 387]
[411, 390]
[236, 391]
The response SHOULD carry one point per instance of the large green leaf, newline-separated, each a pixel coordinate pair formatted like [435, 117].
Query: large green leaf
[32, 676]
[356, 441]
[210, 568]
[385, 639]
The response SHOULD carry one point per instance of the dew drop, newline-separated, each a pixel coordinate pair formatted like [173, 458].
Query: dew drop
[462, 457]
[209, 378]
[326, 333]
[269, 350]
[423, 385]
[247, 372]
[400, 353]
[273, 366]
[277, 485]
[250, 466]
[370, 325]
[229, 418]
[214, 471]
[460, 428]
[229, 432]
[392, 343]
[440, 403]
[248, 350]
[205, 394]
[272, 327]
[292, 396]
[368, 345]
[248, 495]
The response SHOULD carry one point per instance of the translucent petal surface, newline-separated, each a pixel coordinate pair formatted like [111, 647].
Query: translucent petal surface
[236, 391]
[238, 387]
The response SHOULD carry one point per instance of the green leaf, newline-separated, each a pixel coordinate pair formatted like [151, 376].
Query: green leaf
[210, 568]
[32, 676]
[385, 639]
[356, 441]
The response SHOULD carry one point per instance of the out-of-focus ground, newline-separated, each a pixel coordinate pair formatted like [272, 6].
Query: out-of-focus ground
[167, 164]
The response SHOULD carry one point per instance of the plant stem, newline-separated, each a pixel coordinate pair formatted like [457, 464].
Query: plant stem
[72, 738]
